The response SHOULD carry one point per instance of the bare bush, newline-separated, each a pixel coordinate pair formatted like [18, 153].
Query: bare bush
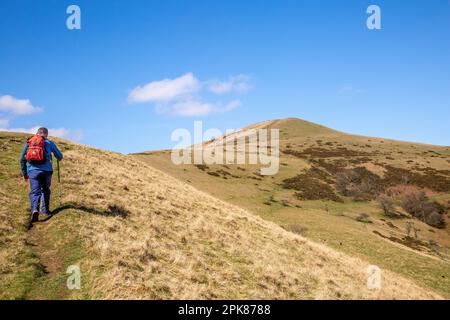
[418, 205]
[387, 205]
[435, 219]
[345, 181]
[411, 230]
[359, 184]
[364, 218]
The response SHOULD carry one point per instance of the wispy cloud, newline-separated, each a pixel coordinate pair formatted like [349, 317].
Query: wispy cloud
[16, 106]
[63, 133]
[182, 96]
[345, 89]
[239, 84]
[165, 90]
[348, 89]
[192, 108]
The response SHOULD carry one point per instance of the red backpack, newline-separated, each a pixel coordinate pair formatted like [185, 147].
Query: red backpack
[36, 149]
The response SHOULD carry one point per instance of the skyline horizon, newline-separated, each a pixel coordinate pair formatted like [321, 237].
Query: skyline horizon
[80, 141]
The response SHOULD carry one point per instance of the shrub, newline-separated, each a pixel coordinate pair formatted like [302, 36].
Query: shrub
[413, 203]
[310, 187]
[358, 183]
[411, 229]
[363, 217]
[435, 219]
[387, 205]
[418, 205]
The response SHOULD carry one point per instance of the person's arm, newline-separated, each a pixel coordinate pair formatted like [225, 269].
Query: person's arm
[56, 152]
[23, 161]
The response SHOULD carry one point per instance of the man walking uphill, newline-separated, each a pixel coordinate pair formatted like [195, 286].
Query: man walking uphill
[36, 165]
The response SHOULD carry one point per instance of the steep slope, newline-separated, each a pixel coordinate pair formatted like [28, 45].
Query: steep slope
[306, 197]
[136, 232]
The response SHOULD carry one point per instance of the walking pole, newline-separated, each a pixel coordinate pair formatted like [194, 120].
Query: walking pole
[30, 222]
[59, 184]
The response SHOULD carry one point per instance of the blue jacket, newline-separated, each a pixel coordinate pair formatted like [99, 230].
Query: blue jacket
[50, 147]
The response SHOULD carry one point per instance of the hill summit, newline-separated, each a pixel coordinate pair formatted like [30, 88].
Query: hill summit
[382, 200]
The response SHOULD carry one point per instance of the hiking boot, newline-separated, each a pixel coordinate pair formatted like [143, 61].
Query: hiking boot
[35, 216]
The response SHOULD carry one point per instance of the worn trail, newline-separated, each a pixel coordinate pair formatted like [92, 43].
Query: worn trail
[45, 249]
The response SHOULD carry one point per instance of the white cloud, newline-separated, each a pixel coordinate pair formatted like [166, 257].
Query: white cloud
[183, 97]
[165, 90]
[17, 106]
[55, 132]
[193, 108]
[239, 84]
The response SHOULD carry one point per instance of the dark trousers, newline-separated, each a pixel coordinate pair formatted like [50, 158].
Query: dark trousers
[40, 183]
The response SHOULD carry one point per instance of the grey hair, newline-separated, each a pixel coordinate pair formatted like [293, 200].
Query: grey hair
[43, 131]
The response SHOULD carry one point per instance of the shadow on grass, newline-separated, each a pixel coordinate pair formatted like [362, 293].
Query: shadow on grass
[112, 211]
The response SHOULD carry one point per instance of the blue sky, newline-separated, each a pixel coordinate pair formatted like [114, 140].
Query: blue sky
[228, 63]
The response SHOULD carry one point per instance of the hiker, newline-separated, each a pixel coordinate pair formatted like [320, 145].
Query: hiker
[36, 166]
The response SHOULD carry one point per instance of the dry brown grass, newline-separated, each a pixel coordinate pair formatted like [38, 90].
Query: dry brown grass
[12, 243]
[178, 242]
[336, 223]
[16, 258]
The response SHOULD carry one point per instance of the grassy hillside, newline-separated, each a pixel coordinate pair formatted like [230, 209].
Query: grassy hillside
[305, 198]
[138, 233]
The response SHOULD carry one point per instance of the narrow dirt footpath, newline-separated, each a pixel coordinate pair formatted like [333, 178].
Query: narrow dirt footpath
[48, 257]
[50, 284]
